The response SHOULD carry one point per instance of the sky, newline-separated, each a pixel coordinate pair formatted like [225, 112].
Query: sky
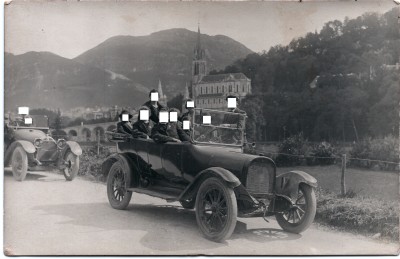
[71, 28]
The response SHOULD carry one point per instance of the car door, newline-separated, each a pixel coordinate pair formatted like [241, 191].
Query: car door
[171, 154]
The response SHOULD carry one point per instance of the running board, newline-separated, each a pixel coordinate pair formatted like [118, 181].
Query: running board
[169, 197]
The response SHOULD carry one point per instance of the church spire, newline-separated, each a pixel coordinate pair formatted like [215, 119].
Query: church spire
[160, 93]
[199, 53]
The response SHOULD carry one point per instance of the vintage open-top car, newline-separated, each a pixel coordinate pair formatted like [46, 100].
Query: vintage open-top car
[211, 174]
[30, 147]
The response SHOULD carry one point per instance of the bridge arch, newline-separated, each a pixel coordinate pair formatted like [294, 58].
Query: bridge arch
[72, 133]
[86, 134]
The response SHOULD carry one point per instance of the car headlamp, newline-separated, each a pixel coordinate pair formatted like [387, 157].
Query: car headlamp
[37, 142]
[61, 143]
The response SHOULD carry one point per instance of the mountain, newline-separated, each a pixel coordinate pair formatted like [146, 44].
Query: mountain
[165, 55]
[46, 80]
[120, 71]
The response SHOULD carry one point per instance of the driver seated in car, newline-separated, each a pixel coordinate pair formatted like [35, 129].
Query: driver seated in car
[159, 133]
[124, 125]
[175, 127]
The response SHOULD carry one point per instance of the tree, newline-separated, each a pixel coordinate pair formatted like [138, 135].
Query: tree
[176, 102]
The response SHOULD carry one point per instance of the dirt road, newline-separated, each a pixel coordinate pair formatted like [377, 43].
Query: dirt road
[45, 215]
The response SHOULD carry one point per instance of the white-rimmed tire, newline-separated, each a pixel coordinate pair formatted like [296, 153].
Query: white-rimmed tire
[19, 163]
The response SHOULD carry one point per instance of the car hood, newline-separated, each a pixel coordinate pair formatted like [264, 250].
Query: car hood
[28, 134]
[230, 158]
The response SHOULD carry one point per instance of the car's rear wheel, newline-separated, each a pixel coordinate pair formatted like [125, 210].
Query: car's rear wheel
[300, 216]
[72, 168]
[216, 209]
[118, 181]
[19, 163]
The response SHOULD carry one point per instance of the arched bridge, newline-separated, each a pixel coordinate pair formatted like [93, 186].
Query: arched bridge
[89, 132]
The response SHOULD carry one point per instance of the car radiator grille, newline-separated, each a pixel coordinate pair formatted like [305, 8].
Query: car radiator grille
[260, 178]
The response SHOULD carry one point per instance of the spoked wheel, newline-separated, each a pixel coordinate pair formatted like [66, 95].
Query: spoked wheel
[19, 163]
[72, 168]
[118, 181]
[216, 209]
[300, 216]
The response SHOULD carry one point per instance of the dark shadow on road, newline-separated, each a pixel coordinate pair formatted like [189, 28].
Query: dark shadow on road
[262, 235]
[167, 227]
[31, 176]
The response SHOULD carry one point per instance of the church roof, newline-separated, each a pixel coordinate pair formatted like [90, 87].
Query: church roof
[223, 78]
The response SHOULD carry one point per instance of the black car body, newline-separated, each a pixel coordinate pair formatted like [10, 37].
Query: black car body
[30, 147]
[213, 176]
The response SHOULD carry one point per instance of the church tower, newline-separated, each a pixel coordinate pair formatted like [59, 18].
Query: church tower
[199, 61]
[162, 98]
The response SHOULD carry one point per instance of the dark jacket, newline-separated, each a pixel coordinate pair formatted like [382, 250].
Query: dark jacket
[124, 127]
[175, 130]
[159, 133]
[154, 112]
[189, 118]
[141, 129]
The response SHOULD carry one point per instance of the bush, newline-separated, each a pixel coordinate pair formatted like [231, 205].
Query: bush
[294, 149]
[90, 161]
[322, 154]
[386, 149]
[360, 214]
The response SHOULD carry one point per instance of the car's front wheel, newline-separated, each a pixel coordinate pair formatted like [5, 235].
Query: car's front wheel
[19, 163]
[72, 168]
[300, 216]
[216, 209]
[118, 181]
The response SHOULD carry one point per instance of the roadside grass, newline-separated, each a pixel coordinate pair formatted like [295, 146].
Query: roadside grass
[367, 216]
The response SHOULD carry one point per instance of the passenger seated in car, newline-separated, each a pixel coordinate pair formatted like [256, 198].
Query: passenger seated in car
[141, 128]
[154, 106]
[189, 105]
[186, 135]
[175, 127]
[124, 125]
[159, 133]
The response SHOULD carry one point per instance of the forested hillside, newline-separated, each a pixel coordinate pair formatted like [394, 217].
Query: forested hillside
[339, 84]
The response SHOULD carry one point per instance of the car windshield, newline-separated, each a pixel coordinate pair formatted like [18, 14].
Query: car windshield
[38, 121]
[218, 127]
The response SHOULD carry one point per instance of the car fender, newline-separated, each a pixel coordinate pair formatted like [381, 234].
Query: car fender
[26, 145]
[74, 147]
[288, 183]
[227, 176]
[125, 160]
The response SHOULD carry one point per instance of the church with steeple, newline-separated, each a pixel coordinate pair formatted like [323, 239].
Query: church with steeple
[210, 91]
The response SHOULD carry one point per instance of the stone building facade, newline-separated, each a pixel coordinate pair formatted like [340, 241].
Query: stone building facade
[210, 91]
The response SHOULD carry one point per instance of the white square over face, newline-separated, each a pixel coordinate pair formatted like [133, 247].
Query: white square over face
[186, 125]
[207, 119]
[173, 116]
[125, 117]
[28, 120]
[144, 115]
[164, 117]
[23, 110]
[154, 97]
[231, 102]
[190, 104]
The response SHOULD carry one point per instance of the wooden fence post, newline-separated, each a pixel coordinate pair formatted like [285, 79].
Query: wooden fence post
[343, 179]
[98, 142]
